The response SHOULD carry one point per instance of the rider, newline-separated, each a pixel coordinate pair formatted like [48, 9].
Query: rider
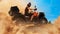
[27, 9]
[35, 13]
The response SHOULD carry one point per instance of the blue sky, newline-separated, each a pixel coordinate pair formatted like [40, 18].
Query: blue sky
[51, 8]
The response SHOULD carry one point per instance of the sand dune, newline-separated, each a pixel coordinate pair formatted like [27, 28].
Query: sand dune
[7, 26]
